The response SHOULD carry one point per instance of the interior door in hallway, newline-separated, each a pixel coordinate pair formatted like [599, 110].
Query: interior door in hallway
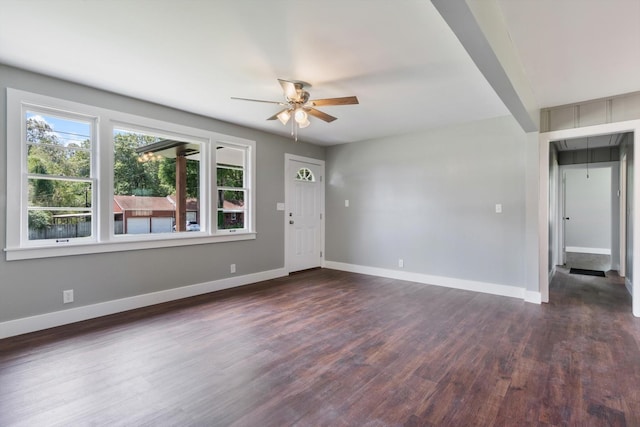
[304, 210]
[588, 213]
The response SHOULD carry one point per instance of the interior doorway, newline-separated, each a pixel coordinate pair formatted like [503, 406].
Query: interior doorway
[589, 217]
[548, 225]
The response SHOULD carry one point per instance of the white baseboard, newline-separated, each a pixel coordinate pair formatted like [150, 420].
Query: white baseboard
[57, 318]
[448, 282]
[581, 250]
[533, 297]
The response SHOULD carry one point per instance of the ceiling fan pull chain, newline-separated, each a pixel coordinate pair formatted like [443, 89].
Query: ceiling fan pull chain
[293, 130]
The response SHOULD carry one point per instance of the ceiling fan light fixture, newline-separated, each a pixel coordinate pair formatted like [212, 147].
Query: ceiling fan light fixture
[284, 116]
[304, 124]
[300, 116]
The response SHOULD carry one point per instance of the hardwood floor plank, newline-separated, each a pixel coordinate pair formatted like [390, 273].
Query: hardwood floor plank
[330, 348]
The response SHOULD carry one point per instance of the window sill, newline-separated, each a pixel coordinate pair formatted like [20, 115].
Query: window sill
[13, 254]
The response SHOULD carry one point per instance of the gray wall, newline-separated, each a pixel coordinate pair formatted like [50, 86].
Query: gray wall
[34, 287]
[430, 199]
[589, 207]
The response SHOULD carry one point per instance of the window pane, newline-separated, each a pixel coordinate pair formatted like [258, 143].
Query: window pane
[59, 224]
[230, 156]
[305, 174]
[230, 177]
[55, 193]
[54, 160]
[146, 176]
[58, 146]
[60, 132]
[230, 220]
[231, 199]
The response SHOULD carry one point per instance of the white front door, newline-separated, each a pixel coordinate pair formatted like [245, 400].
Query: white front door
[304, 207]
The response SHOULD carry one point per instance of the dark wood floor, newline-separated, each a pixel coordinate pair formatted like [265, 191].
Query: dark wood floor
[331, 348]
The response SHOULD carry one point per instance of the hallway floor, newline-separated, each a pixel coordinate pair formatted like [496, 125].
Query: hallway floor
[588, 261]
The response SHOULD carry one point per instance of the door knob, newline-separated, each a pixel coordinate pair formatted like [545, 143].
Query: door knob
[566, 217]
[291, 222]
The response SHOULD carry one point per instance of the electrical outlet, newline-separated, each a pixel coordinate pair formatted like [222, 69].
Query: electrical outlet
[233, 268]
[498, 208]
[346, 203]
[401, 263]
[67, 296]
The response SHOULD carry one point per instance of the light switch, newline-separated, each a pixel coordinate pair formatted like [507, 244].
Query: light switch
[499, 208]
[279, 206]
[346, 203]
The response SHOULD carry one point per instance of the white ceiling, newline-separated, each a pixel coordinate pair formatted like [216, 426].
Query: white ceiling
[576, 50]
[399, 58]
[612, 140]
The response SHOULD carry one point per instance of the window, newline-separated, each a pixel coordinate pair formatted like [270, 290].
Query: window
[232, 188]
[156, 183]
[95, 180]
[59, 177]
[305, 174]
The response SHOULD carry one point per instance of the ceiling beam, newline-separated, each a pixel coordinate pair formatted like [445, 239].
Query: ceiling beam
[480, 28]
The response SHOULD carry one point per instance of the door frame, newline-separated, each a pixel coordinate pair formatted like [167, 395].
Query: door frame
[544, 141]
[623, 215]
[287, 187]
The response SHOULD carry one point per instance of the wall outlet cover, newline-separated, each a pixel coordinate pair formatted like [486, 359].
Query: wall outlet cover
[67, 296]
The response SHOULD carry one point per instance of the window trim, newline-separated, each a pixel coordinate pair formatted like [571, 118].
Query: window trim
[247, 188]
[104, 239]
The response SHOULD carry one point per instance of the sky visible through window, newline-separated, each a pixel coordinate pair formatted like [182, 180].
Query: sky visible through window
[67, 131]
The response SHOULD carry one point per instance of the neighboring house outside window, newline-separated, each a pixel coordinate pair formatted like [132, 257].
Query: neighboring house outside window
[147, 214]
[87, 179]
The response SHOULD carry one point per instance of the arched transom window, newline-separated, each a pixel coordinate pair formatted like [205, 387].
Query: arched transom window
[305, 174]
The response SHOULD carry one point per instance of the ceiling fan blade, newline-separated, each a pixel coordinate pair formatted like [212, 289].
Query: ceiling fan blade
[291, 89]
[347, 100]
[319, 114]
[259, 100]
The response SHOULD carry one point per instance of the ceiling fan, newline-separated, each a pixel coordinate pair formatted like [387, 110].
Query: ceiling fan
[298, 105]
